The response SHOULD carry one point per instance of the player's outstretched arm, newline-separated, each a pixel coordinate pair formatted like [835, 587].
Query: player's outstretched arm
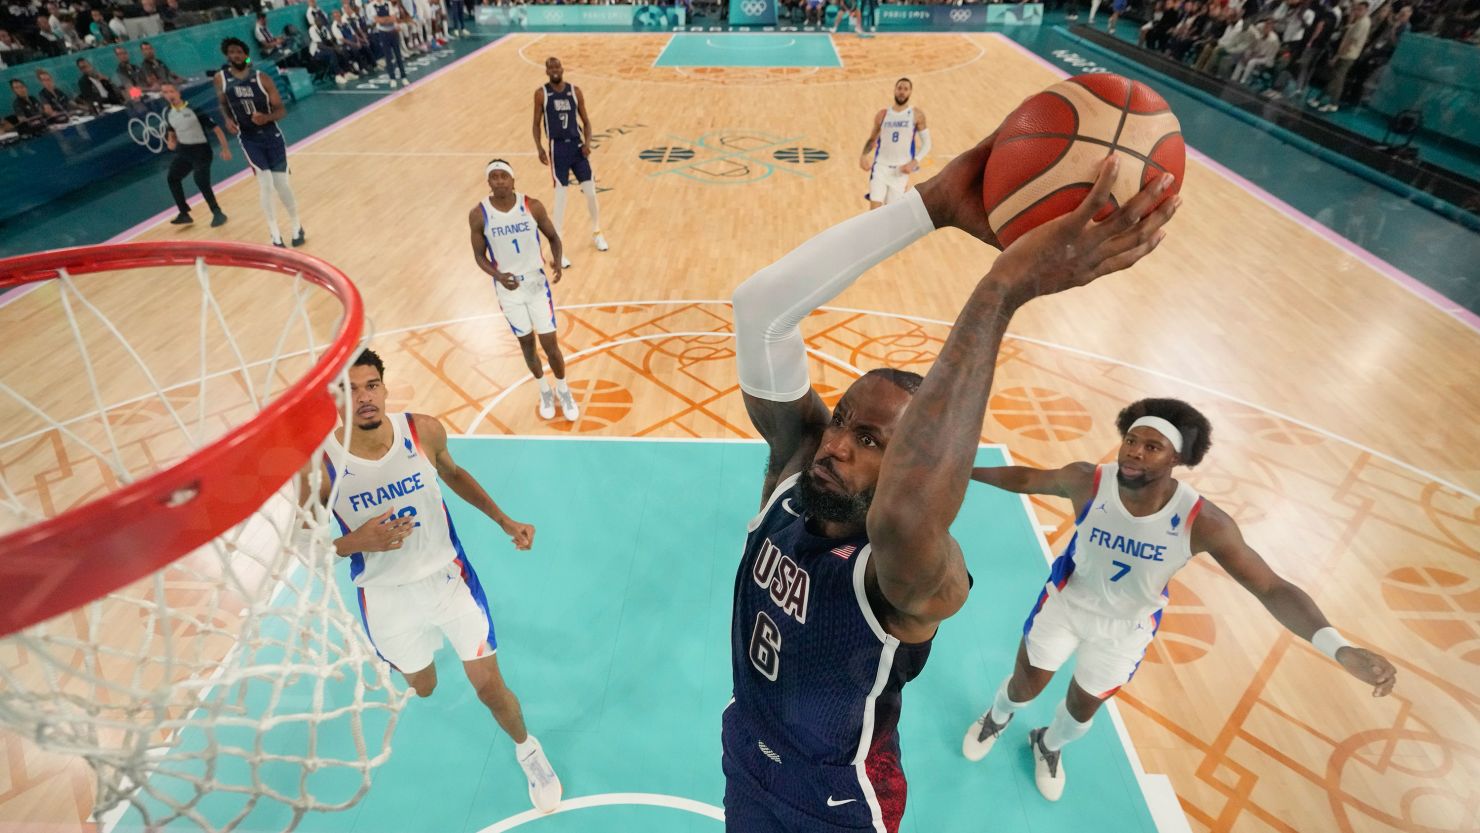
[1218, 534]
[433, 437]
[1073, 481]
[927, 466]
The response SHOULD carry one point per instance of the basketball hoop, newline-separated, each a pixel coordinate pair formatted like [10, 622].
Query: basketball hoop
[177, 605]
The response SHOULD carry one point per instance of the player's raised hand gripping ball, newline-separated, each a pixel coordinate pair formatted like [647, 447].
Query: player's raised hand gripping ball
[1047, 153]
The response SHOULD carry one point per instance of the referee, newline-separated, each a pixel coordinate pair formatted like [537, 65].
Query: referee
[186, 136]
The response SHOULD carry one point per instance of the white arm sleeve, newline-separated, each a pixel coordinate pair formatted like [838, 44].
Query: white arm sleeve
[769, 306]
[924, 150]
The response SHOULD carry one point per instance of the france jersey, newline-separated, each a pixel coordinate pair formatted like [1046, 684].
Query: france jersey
[812, 730]
[512, 237]
[245, 96]
[562, 114]
[896, 137]
[1118, 565]
[404, 481]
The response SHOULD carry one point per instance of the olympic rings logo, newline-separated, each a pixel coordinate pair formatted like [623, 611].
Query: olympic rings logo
[960, 15]
[753, 8]
[148, 131]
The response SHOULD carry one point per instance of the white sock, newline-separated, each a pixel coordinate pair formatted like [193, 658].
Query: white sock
[264, 193]
[1003, 707]
[284, 188]
[1064, 729]
[562, 387]
[544, 385]
[589, 189]
[559, 218]
[522, 750]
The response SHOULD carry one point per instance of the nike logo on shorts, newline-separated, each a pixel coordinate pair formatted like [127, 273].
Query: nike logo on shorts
[832, 803]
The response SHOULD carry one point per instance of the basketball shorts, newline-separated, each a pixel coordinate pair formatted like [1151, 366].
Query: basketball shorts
[886, 184]
[1110, 650]
[566, 159]
[265, 152]
[406, 623]
[531, 307]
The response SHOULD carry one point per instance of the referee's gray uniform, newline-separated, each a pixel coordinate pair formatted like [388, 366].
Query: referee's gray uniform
[192, 153]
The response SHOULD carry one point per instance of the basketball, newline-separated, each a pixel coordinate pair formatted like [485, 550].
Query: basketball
[1049, 149]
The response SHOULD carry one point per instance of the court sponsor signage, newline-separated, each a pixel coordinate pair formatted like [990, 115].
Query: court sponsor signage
[957, 18]
[640, 17]
[752, 12]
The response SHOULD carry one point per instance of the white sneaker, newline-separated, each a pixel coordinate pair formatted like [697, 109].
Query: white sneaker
[981, 735]
[568, 406]
[340, 79]
[544, 784]
[564, 262]
[547, 404]
[405, 82]
[600, 242]
[1048, 767]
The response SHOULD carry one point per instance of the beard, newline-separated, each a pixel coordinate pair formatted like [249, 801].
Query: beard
[1137, 482]
[368, 426]
[900, 102]
[238, 65]
[831, 506]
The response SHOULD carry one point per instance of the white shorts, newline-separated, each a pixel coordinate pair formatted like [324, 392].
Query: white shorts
[406, 623]
[886, 184]
[1110, 650]
[531, 307]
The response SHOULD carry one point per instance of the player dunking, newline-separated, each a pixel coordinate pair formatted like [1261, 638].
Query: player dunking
[415, 582]
[251, 107]
[1136, 527]
[560, 111]
[506, 229]
[850, 566]
[895, 148]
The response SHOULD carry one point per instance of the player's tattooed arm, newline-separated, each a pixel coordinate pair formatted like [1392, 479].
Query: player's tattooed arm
[433, 437]
[1218, 534]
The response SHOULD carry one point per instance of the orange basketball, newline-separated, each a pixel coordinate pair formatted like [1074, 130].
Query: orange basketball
[1049, 149]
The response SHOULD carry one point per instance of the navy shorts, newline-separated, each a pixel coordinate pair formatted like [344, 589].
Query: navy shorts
[266, 151]
[566, 158]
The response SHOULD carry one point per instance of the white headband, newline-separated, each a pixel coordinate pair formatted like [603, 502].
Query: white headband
[497, 165]
[1166, 429]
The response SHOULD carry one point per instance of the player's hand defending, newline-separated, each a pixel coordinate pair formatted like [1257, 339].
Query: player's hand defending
[544, 157]
[954, 196]
[521, 534]
[1370, 668]
[381, 533]
[1074, 249]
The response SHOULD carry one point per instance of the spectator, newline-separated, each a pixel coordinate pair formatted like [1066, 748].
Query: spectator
[127, 76]
[188, 136]
[268, 44]
[1388, 25]
[1260, 54]
[93, 88]
[169, 16]
[8, 43]
[47, 43]
[1160, 30]
[153, 66]
[1353, 41]
[99, 32]
[356, 48]
[1187, 31]
[315, 15]
[120, 29]
[29, 114]
[70, 38]
[1236, 38]
[54, 19]
[53, 96]
[322, 52]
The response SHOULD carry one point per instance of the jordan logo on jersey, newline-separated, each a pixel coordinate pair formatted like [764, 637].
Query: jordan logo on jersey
[783, 579]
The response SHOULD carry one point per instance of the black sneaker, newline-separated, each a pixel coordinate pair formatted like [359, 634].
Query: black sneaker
[218, 219]
[279, 244]
[299, 238]
[182, 219]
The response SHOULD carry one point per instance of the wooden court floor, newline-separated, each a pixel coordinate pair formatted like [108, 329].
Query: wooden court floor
[1342, 404]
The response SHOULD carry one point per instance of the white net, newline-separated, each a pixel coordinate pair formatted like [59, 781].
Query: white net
[233, 688]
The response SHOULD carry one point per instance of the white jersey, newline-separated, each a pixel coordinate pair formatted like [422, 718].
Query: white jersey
[405, 482]
[896, 137]
[513, 237]
[1118, 565]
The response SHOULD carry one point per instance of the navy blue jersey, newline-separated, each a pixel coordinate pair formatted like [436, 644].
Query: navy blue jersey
[817, 680]
[562, 115]
[245, 96]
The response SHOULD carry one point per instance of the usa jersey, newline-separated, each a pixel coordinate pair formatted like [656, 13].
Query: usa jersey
[512, 237]
[245, 96]
[817, 680]
[562, 115]
[1118, 565]
[403, 481]
[896, 137]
